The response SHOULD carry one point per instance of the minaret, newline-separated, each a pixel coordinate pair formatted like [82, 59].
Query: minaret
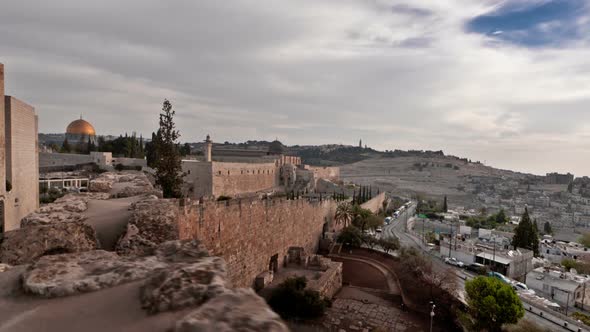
[360, 143]
[208, 148]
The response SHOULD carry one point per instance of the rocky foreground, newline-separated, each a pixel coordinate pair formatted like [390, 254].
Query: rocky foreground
[179, 276]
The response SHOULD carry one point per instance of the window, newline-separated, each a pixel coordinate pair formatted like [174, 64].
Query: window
[189, 171]
[228, 172]
[219, 172]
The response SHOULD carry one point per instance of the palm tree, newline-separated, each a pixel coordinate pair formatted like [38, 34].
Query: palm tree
[344, 213]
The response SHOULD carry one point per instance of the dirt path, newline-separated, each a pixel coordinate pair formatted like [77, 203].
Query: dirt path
[109, 218]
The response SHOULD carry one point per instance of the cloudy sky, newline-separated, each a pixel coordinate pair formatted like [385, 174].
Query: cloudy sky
[502, 81]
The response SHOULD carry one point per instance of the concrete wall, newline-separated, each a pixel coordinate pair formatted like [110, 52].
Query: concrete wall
[22, 163]
[233, 179]
[375, 203]
[248, 233]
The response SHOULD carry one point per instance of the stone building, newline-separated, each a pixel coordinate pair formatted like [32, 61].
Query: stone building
[556, 178]
[19, 160]
[236, 174]
[566, 288]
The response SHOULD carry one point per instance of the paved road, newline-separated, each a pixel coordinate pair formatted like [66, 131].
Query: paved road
[397, 228]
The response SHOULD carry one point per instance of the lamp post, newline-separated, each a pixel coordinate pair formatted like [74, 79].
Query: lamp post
[432, 314]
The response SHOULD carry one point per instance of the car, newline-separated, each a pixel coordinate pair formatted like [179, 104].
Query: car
[378, 229]
[520, 287]
[453, 261]
[477, 268]
[499, 276]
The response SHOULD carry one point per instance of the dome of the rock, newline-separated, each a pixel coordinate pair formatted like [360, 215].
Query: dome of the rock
[80, 127]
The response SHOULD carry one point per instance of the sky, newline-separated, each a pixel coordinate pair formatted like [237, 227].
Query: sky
[506, 82]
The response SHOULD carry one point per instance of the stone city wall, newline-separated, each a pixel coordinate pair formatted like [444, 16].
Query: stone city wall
[326, 173]
[48, 159]
[22, 163]
[129, 161]
[233, 179]
[248, 233]
[2, 133]
[375, 203]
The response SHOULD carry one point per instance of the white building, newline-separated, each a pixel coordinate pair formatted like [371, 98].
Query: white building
[565, 288]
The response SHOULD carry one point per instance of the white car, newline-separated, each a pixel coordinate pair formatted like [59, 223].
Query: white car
[453, 261]
[520, 287]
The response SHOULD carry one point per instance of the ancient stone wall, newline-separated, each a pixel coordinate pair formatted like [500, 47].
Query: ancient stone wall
[2, 141]
[249, 233]
[326, 173]
[47, 159]
[233, 179]
[375, 203]
[197, 179]
[22, 163]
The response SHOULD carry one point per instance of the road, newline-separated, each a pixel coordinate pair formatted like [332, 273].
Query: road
[398, 228]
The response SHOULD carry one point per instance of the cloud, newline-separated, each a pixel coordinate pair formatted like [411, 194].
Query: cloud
[398, 74]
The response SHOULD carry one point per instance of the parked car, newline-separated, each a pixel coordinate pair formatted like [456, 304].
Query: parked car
[520, 287]
[453, 261]
[499, 276]
[476, 268]
[378, 229]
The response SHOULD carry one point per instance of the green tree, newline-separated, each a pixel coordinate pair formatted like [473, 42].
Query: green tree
[360, 217]
[291, 300]
[570, 187]
[547, 228]
[501, 217]
[492, 303]
[185, 150]
[168, 165]
[525, 234]
[151, 153]
[65, 147]
[585, 240]
[344, 214]
[445, 206]
[350, 236]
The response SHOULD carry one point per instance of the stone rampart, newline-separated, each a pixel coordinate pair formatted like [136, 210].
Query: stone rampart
[375, 203]
[254, 236]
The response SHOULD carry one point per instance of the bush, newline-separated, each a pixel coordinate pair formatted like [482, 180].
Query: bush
[119, 167]
[350, 236]
[291, 300]
[582, 317]
[223, 198]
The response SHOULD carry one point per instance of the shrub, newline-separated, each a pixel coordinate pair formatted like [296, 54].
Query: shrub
[582, 317]
[119, 167]
[291, 300]
[223, 198]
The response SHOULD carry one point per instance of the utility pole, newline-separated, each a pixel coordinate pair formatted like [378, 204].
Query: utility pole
[432, 314]
[451, 241]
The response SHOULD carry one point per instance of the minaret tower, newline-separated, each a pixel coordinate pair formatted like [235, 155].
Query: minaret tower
[208, 148]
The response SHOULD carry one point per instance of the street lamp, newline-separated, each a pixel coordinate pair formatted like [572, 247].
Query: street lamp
[432, 314]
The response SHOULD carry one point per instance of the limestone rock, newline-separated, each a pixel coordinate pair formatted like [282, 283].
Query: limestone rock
[181, 251]
[24, 245]
[67, 274]
[99, 185]
[68, 208]
[240, 310]
[185, 286]
[4, 267]
[152, 223]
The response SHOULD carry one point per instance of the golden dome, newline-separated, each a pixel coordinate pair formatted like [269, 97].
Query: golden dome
[80, 127]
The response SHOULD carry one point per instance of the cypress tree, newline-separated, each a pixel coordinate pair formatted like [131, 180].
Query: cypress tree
[445, 206]
[525, 235]
[168, 165]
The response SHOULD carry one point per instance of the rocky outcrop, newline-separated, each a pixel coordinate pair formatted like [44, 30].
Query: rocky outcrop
[4, 267]
[125, 184]
[185, 286]
[68, 208]
[153, 222]
[180, 274]
[68, 274]
[25, 245]
[240, 310]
